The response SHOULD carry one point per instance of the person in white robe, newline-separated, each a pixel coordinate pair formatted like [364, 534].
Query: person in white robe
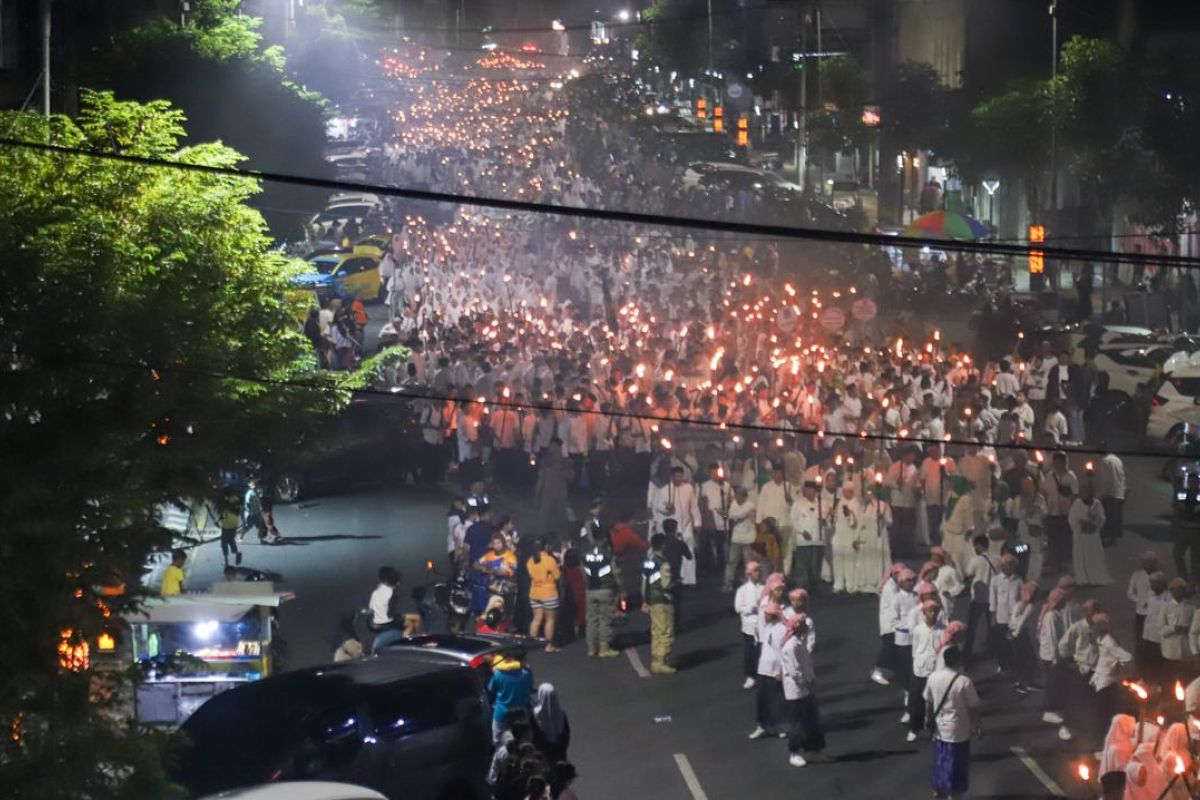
[1086, 519]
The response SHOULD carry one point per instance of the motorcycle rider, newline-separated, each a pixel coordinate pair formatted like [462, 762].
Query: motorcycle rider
[601, 582]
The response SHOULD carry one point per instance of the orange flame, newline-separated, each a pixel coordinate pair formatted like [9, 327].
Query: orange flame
[1085, 772]
[1179, 693]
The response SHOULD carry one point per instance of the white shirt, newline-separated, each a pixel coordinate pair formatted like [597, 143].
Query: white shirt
[953, 719]
[925, 641]
[745, 603]
[1139, 591]
[980, 570]
[456, 534]
[798, 672]
[1110, 478]
[1112, 657]
[380, 598]
[1155, 603]
[1175, 644]
[773, 501]
[810, 630]
[1057, 504]
[1051, 628]
[770, 655]
[1007, 385]
[718, 498]
[1004, 592]
[803, 517]
[886, 597]
[902, 605]
[741, 517]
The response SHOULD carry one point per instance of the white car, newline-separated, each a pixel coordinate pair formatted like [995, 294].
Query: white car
[1129, 365]
[1176, 405]
[300, 790]
[697, 170]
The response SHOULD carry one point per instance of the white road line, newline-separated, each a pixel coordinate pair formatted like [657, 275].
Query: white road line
[635, 661]
[1038, 772]
[689, 777]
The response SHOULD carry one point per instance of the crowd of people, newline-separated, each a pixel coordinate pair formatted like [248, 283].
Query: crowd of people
[770, 436]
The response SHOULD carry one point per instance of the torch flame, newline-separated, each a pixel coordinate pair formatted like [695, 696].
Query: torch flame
[1138, 689]
[1085, 772]
[1179, 693]
[1180, 767]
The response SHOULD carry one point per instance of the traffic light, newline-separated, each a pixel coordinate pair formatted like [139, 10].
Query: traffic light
[743, 131]
[719, 119]
[1037, 259]
[702, 108]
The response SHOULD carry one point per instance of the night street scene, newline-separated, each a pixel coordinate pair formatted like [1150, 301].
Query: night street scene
[549, 400]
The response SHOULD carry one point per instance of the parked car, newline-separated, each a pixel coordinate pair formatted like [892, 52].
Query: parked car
[411, 727]
[369, 442]
[300, 790]
[476, 650]
[1175, 406]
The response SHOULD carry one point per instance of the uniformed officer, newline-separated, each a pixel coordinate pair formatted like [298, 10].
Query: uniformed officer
[657, 583]
[805, 516]
[601, 590]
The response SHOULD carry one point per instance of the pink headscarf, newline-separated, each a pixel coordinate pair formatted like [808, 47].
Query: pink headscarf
[1053, 603]
[772, 610]
[798, 597]
[925, 587]
[1118, 744]
[773, 580]
[927, 568]
[953, 631]
[1144, 777]
[906, 574]
[751, 566]
[938, 552]
[893, 573]
[928, 604]
[1028, 590]
[794, 624]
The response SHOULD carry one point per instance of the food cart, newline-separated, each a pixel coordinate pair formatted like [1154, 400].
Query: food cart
[196, 645]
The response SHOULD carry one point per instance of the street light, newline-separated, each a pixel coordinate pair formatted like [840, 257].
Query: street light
[623, 15]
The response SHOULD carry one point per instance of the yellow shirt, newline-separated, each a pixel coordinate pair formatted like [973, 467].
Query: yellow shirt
[543, 578]
[172, 582]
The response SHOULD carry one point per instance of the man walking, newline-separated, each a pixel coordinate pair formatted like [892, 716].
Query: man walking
[657, 583]
[953, 715]
[800, 699]
[741, 534]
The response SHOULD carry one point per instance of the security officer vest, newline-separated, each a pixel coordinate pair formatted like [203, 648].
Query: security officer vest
[597, 566]
[653, 569]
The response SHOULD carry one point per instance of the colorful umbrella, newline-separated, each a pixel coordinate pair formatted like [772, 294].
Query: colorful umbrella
[946, 225]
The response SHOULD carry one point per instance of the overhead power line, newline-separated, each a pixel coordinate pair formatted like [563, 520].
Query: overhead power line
[732, 427]
[632, 217]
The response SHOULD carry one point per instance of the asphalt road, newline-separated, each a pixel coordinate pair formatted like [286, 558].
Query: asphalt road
[336, 543]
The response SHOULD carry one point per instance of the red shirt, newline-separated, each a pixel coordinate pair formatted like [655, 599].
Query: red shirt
[624, 538]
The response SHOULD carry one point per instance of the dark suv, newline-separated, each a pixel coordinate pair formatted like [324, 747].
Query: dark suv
[413, 726]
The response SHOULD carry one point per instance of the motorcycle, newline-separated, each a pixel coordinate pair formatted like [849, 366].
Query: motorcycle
[453, 596]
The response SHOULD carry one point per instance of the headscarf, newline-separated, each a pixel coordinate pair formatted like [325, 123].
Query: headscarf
[928, 604]
[893, 573]
[938, 552]
[1090, 608]
[798, 597]
[925, 587]
[906, 574]
[773, 580]
[1028, 590]
[548, 714]
[1174, 741]
[772, 610]
[1143, 774]
[1177, 584]
[929, 570]
[750, 567]
[1053, 603]
[794, 624]
[1118, 744]
[953, 631]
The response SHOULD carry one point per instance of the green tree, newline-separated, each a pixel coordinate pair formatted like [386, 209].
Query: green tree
[216, 71]
[844, 91]
[1010, 136]
[139, 302]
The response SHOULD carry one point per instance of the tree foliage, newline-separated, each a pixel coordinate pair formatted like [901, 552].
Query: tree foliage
[139, 302]
[1008, 135]
[216, 71]
[845, 89]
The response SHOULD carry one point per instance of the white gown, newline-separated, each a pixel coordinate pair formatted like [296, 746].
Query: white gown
[1090, 564]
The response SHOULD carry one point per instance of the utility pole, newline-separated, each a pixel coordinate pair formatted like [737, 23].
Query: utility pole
[802, 140]
[1053, 120]
[46, 60]
[710, 37]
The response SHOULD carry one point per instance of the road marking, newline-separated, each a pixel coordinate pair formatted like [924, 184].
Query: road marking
[635, 661]
[689, 777]
[1038, 772]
